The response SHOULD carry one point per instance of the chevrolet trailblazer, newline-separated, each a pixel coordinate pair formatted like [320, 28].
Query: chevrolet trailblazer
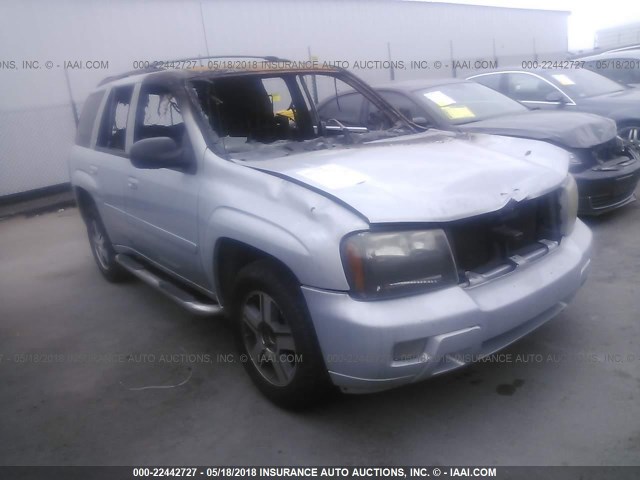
[346, 257]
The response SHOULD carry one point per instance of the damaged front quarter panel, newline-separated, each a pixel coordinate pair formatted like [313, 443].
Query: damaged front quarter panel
[287, 221]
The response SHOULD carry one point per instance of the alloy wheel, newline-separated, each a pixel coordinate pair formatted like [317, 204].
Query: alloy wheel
[268, 339]
[99, 245]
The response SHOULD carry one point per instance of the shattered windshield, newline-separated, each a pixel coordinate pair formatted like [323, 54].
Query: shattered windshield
[276, 114]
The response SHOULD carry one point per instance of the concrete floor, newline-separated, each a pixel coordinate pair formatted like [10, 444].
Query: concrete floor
[85, 404]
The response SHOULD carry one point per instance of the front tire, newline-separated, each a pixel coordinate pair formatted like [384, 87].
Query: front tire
[102, 249]
[275, 336]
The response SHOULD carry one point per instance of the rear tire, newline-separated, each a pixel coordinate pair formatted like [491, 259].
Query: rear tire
[102, 249]
[276, 338]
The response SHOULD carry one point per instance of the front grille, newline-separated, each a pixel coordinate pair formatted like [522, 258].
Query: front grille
[487, 242]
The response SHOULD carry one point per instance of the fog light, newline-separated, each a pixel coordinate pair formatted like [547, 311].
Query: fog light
[410, 351]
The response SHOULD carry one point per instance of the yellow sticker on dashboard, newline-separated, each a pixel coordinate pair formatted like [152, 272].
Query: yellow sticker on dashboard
[458, 112]
[439, 98]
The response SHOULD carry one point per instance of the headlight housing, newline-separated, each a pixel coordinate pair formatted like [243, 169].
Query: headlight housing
[568, 205]
[392, 264]
[574, 162]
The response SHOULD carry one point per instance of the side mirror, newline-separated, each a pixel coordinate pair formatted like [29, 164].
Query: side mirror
[422, 121]
[157, 152]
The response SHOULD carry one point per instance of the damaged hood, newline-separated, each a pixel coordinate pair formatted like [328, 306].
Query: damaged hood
[567, 129]
[428, 177]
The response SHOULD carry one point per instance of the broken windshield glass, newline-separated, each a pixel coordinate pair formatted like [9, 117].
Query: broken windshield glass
[276, 114]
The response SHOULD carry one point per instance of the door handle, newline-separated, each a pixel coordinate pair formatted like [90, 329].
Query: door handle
[132, 183]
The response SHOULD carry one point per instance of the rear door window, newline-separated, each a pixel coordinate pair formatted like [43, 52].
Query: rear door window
[158, 115]
[524, 87]
[113, 127]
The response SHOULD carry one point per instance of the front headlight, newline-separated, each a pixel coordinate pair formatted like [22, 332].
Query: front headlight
[390, 264]
[568, 205]
[574, 161]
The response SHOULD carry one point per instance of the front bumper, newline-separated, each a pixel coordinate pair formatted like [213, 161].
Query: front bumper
[371, 346]
[604, 190]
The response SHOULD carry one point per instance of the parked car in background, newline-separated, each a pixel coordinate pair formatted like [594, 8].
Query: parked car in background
[623, 66]
[606, 170]
[573, 90]
[357, 258]
[623, 49]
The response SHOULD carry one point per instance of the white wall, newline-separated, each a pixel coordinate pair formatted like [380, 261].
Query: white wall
[122, 31]
[34, 144]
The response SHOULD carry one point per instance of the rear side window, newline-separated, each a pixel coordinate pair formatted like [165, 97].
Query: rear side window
[88, 119]
[113, 128]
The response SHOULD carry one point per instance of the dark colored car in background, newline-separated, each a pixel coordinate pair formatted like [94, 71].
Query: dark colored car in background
[573, 90]
[622, 66]
[606, 170]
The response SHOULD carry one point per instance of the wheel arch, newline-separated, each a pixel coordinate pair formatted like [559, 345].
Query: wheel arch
[84, 189]
[230, 256]
[84, 200]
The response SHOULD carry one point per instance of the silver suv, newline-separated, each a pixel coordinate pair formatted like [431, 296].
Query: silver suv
[345, 257]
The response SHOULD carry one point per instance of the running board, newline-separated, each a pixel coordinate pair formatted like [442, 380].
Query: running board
[170, 289]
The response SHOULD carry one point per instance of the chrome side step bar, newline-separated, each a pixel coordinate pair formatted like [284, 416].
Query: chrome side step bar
[171, 290]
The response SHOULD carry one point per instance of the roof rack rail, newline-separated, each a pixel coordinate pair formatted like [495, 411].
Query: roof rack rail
[130, 73]
[159, 65]
[268, 58]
